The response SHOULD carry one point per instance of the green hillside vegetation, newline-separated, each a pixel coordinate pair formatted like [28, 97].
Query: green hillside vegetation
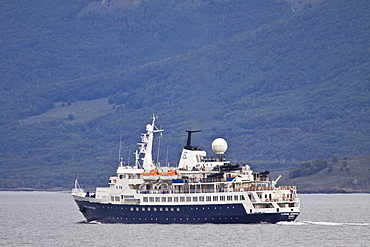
[349, 175]
[281, 86]
[53, 43]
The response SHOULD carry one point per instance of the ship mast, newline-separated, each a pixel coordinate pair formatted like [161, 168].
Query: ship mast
[147, 140]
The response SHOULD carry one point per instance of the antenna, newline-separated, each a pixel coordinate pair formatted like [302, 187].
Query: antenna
[128, 158]
[159, 147]
[120, 146]
[167, 156]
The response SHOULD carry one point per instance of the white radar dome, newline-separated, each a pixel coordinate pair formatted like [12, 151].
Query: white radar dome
[219, 146]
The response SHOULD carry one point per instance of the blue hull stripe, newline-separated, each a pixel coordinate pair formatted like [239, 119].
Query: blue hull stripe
[180, 214]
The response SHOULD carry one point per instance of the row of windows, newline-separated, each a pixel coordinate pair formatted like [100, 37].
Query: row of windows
[194, 198]
[165, 209]
[175, 219]
[154, 209]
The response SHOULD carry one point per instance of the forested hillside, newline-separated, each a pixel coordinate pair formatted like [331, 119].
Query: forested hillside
[282, 82]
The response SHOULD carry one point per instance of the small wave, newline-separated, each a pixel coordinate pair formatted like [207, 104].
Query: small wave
[82, 222]
[94, 222]
[322, 223]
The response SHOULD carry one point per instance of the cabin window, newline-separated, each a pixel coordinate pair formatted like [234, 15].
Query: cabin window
[169, 199]
[166, 209]
[131, 209]
[177, 209]
[163, 199]
[229, 198]
[222, 198]
[151, 199]
[188, 199]
[148, 209]
[143, 209]
[242, 197]
[137, 209]
[195, 199]
[236, 198]
[208, 198]
[160, 209]
[172, 209]
[182, 199]
[112, 198]
[175, 199]
[157, 199]
[117, 198]
[145, 199]
[201, 198]
[215, 198]
[154, 209]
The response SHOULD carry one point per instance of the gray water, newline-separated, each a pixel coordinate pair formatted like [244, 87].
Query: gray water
[53, 219]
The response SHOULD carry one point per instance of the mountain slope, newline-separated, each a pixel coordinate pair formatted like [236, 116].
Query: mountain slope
[351, 175]
[293, 90]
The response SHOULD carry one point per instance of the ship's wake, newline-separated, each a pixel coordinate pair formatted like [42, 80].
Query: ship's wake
[323, 223]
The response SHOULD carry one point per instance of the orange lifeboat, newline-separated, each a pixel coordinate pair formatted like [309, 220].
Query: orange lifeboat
[169, 175]
[152, 175]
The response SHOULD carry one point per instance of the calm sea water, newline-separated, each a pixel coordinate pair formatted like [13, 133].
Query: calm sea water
[53, 219]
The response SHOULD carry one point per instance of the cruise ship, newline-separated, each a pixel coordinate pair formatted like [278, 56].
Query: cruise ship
[199, 190]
